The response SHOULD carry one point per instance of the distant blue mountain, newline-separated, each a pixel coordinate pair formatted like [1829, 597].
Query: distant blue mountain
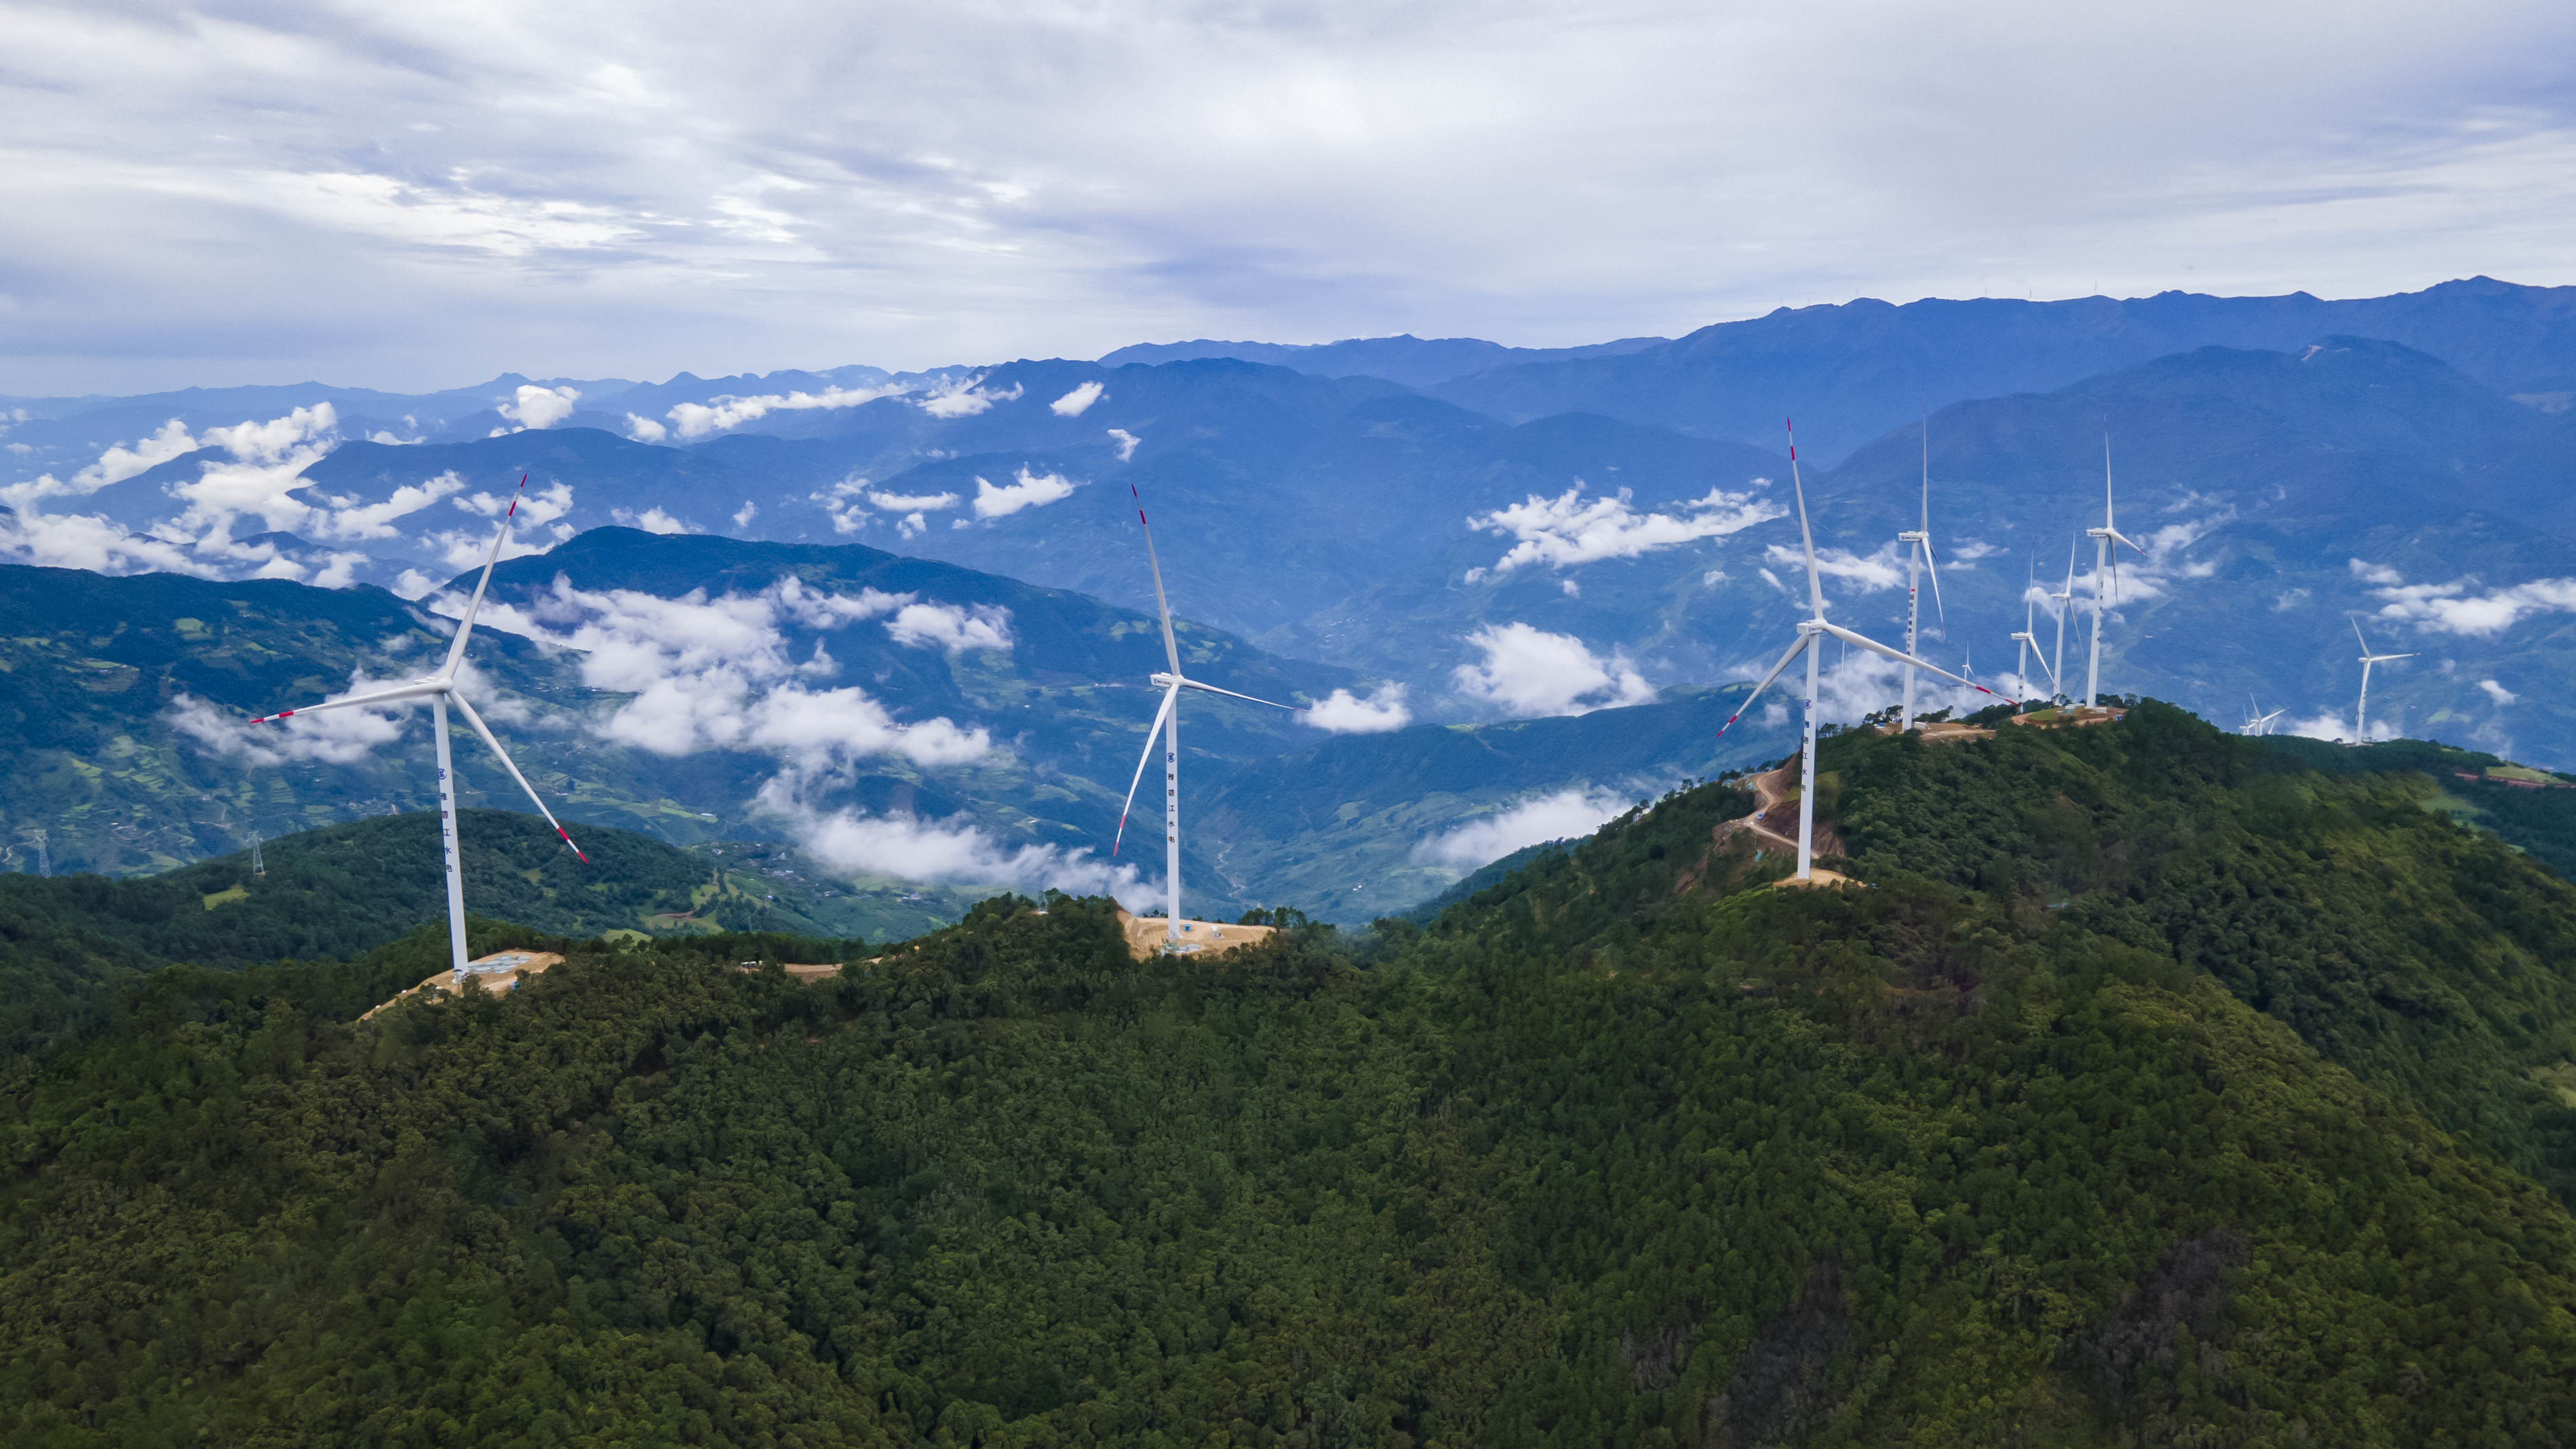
[1404, 358]
[2273, 471]
[1850, 372]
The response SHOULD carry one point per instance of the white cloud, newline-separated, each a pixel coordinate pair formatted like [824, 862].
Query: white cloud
[651, 520]
[1869, 573]
[540, 407]
[956, 397]
[1570, 812]
[912, 502]
[1972, 549]
[743, 516]
[1564, 531]
[1127, 442]
[2333, 726]
[952, 627]
[645, 430]
[350, 519]
[1344, 713]
[1078, 401]
[336, 737]
[120, 462]
[696, 420]
[715, 674]
[1528, 672]
[2453, 608]
[908, 848]
[249, 491]
[1029, 491]
[1855, 683]
[2497, 692]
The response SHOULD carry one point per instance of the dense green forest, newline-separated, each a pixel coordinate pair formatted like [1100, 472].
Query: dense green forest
[68, 943]
[2156, 1089]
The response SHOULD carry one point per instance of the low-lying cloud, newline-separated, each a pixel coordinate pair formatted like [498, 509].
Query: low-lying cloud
[1344, 713]
[1027, 490]
[716, 673]
[962, 398]
[537, 407]
[2463, 607]
[1569, 812]
[1567, 530]
[696, 420]
[1528, 672]
[907, 847]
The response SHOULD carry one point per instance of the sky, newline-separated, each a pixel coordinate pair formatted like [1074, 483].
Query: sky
[422, 196]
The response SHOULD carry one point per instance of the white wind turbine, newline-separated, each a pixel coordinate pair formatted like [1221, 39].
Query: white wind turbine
[2103, 556]
[2065, 598]
[1918, 560]
[1811, 631]
[2256, 721]
[440, 690]
[2028, 640]
[2361, 711]
[1167, 724]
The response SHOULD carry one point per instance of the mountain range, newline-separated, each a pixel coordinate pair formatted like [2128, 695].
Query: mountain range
[1563, 552]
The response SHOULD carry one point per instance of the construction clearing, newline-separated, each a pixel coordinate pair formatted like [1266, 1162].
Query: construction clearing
[1148, 936]
[500, 971]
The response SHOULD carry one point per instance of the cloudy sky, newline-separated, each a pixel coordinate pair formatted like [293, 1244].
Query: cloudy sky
[421, 196]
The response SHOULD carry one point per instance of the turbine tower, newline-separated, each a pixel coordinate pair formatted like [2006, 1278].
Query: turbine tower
[440, 690]
[2029, 640]
[2361, 711]
[2065, 598]
[2103, 557]
[1167, 725]
[1918, 560]
[1811, 632]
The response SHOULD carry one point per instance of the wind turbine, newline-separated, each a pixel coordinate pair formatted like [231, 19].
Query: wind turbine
[1918, 559]
[440, 690]
[2065, 598]
[2361, 711]
[2256, 721]
[2103, 557]
[1811, 630]
[2028, 640]
[1167, 724]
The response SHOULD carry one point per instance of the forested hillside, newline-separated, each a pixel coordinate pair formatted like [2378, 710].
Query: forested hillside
[2155, 1090]
[339, 893]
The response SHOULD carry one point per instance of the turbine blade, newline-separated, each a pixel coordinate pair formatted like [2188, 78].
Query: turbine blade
[1230, 694]
[1806, 537]
[1151, 736]
[1932, 566]
[1927, 471]
[465, 626]
[381, 696]
[1171, 646]
[2106, 474]
[1804, 640]
[2357, 634]
[1860, 641]
[503, 755]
